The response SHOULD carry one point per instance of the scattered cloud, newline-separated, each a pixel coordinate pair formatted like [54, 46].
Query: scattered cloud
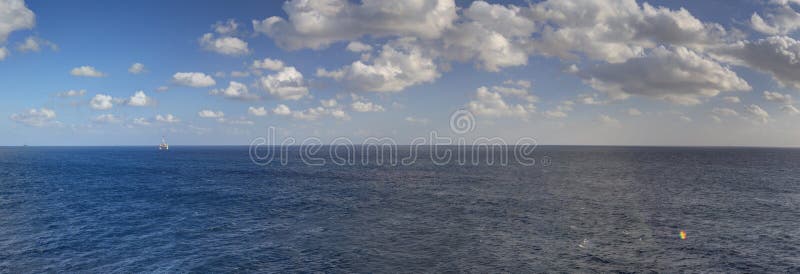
[101, 102]
[136, 68]
[316, 25]
[731, 99]
[226, 45]
[790, 109]
[168, 118]
[489, 103]
[329, 103]
[634, 112]
[14, 16]
[779, 18]
[267, 63]
[356, 46]
[400, 64]
[609, 121]
[778, 97]
[282, 110]
[757, 113]
[193, 79]
[86, 71]
[257, 111]
[35, 44]
[359, 106]
[210, 114]
[779, 56]
[678, 75]
[415, 120]
[35, 117]
[106, 119]
[287, 84]
[140, 99]
[72, 93]
[235, 90]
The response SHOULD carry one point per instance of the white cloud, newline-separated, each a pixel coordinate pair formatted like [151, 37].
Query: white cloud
[400, 64]
[287, 84]
[495, 35]
[210, 114]
[678, 75]
[317, 24]
[360, 106]
[790, 109]
[282, 110]
[618, 30]
[779, 56]
[757, 113]
[193, 79]
[35, 117]
[228, 27]
[239, 74]
[312, 114]
[225, 45]
[86, 71]
[489, 103]
[329, 103]
[609, 121]
[731, 99]
[634, 112]
[101, 102]
[162, 89]
[561, 111]
[141, 121]
[106, 119]
[778, 97]
[136, 68]
[72, 93]
[235, 90]
[257, 111]
[14, 15]
[356, 46]
[724, 112]
[516, 92]
[140, 99]
[520, 83]
[34, 44]
[415, 120]
[779, 18]
[168, 118]
[267, 63]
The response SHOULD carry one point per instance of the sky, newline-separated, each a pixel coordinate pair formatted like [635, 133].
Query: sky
[565, 72]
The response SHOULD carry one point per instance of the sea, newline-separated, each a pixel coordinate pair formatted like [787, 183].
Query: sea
[578, 209]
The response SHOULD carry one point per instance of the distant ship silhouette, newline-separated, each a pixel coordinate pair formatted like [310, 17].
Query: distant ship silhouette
[163, 145]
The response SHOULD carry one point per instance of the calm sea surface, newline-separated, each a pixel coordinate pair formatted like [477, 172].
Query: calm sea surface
[210, 209]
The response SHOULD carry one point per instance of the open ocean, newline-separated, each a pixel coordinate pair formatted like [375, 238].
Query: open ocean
[210, 209]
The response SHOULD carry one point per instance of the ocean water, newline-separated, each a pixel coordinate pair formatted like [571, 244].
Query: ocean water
[210, 209]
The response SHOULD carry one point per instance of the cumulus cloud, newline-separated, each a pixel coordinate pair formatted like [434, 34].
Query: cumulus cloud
[757, 113]
[286, 84]
[210, 114]
[609, 121]
[356, 46]
[731, 99]
[561, 111]
[168, 118]
[193, 79]
[14, 15]
[140, 99]
[72, 93]
[282, 110]
[618, 30]
[779, 18]
[329, 103]
[140, 121]
[360, 106]
[35, 117]
[239, 74]
[400, 64]
[790, 109]
[317, 24]
[778, 97]
[136, 68]
[225, 45]
[229, 27]
[415, 120]
[495, 35]
[724, 112]
[235, 90]
[106, 119]
[267, 63]
[101, 102]
[257, 111]
[779, 56]
[491, 104]
[677, 75]
[35, 44]
[86, 71]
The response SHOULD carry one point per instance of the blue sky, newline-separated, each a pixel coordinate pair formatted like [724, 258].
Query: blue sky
[624, 73]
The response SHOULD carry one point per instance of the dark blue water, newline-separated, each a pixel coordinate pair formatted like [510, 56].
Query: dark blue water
[209, 209]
